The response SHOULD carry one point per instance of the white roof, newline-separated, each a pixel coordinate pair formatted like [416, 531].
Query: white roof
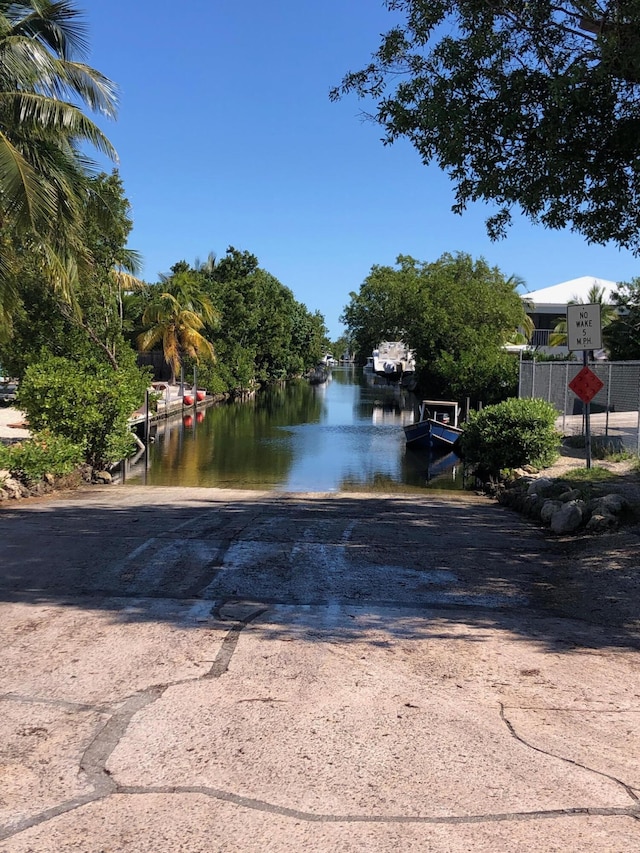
[575, 290]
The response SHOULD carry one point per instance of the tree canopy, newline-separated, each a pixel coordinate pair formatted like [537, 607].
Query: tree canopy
[265, 334]
[260, 333]
[455, 313]
[527, 105]
[622, 334]
[42, 319]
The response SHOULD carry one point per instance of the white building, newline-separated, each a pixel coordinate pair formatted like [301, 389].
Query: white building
[546, 307]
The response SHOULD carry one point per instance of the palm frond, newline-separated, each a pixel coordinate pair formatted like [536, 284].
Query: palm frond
[147, 340]
[49, 117]
[95, 89]
[127, 282]
[26, 198]
[9, 294]
[44, 133]
[61, 269]
[131, 261]
[190, 320]
[58, 25]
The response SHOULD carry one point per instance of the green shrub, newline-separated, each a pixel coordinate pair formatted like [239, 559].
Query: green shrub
[86, 402]
[511, 434]
[44, 454]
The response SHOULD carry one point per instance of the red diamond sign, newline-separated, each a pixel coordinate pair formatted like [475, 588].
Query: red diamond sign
[586, 385]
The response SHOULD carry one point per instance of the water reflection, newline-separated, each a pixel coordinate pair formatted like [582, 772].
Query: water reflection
[339, 435]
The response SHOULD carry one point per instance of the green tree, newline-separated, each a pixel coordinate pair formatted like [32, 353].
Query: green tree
[456, 314]
[308, 338]
[175, 316]
[622, 335]
[44, 320]
[341, 346]
[529, 105]
[382, 306]
[264, 334]
[259, 331]
[234, 266]
[115, 266]
[43, 140]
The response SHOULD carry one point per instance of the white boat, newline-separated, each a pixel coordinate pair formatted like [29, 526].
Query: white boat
[394, 363]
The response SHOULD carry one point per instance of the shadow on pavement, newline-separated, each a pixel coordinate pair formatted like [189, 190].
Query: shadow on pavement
[396, 565]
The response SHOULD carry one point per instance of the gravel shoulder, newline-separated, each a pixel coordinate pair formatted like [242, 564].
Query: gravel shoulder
[597, 578]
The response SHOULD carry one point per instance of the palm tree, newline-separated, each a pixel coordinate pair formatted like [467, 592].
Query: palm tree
[524, 332]
[124, 276]
[595, 295]
[176, 316]
[207, 268]
[43, 134]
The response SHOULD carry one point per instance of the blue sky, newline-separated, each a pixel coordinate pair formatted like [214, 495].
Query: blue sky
[226, 136]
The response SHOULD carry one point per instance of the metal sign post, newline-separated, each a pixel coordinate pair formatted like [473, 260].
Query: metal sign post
[584, 332]
[587, 416]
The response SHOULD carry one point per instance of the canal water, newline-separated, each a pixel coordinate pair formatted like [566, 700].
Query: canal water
[341, 435]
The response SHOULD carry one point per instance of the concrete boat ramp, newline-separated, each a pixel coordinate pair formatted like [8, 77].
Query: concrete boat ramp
[203, 670]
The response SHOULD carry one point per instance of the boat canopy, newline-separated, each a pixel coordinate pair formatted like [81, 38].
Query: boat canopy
[436, 406]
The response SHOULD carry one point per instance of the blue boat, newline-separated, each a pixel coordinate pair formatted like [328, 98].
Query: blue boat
[442, 462]
[437, 425]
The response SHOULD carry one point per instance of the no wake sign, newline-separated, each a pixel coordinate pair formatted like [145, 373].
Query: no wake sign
[584, 331]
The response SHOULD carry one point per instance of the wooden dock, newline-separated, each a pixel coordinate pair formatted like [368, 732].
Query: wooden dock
[170, 403]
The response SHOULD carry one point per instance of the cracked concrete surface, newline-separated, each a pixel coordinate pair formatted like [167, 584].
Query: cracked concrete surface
[199, 670]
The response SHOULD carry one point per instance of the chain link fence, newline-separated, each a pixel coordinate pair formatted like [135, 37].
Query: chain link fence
[615, 409]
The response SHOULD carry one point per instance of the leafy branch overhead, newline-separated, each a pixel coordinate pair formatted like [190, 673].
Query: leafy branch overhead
[525, 105]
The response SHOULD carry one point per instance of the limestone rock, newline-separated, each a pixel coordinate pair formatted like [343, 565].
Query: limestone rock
[532, 504]
[570, 495]
[13, 488]
[612, 504]
[601, 522]
[567, 519]
[539, 486]
[549, 507]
